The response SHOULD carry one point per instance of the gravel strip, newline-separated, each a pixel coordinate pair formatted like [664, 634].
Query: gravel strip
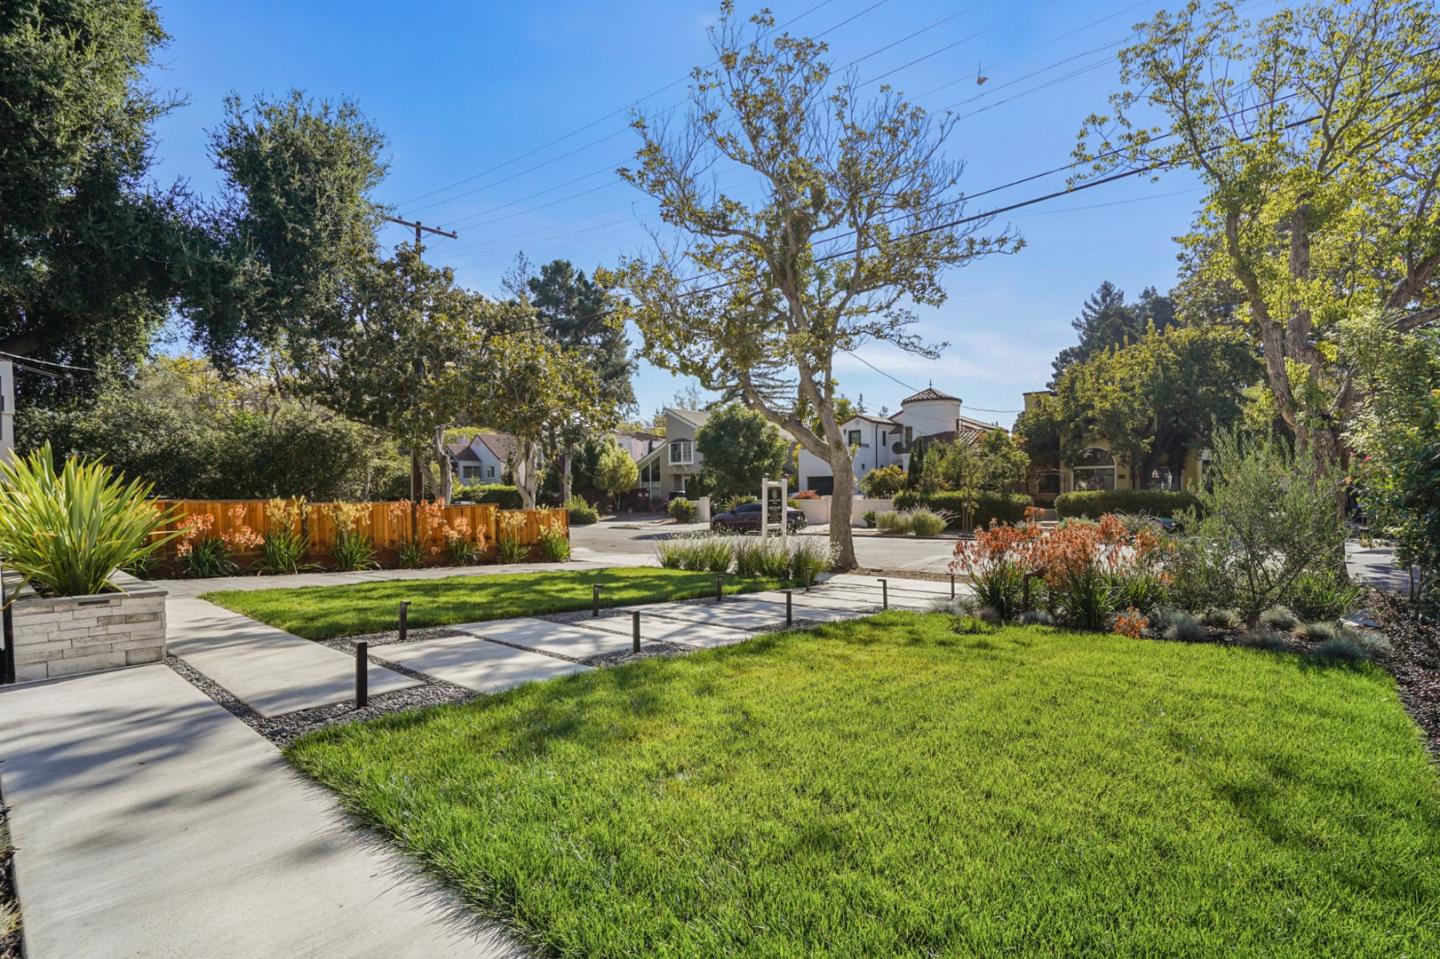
[346, 644]
[284, 730]
[9, 902]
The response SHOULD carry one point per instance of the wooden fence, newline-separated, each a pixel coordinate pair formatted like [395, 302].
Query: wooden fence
[388, 524]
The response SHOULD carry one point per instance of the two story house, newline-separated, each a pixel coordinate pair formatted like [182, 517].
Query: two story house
[877, 441]
[674, 461]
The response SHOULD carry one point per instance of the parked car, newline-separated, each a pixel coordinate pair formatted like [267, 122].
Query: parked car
[745, 518]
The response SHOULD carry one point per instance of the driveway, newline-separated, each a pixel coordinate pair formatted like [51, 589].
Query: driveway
[620, 539]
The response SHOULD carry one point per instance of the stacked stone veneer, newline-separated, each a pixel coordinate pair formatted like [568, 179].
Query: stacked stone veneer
[58, 636]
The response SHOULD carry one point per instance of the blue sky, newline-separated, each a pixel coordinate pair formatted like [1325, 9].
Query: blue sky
[464, 91]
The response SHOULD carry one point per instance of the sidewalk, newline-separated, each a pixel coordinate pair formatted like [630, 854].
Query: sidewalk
[1375, 566]
[150, 822]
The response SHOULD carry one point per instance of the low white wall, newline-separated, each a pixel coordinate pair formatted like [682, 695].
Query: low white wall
[58, 636]
[817, 511]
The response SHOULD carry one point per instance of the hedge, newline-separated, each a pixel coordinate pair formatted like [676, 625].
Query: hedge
[1092, 504]
[1006, 507]
[501, 494]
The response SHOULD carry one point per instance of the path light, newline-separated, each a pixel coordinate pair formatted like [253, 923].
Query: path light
[362, 673]
[884, 594]
[952, 585]
[635, 631]
[789, 607]
[404, 619]
[719, 587]
[595, 600]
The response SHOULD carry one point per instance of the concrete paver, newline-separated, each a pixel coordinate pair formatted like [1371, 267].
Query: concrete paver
[150, 822]
[735, 612]
[476, 663]
[658, 629]
[548, 637]
[267, 669]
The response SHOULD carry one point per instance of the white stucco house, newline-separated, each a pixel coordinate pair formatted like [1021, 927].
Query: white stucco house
[886, 440]
[485, 459]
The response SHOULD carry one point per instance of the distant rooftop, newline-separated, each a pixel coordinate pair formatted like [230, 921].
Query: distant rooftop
[929, 393]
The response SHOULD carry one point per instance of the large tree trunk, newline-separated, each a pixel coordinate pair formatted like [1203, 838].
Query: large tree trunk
[527, 472]
[842, 507]
[441, 457]
[567, 456]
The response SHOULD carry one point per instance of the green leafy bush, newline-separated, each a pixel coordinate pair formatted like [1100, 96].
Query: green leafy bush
[68, 532]
[869, 518]
[987, 507]
[206, 556]
[883, 482]
[502, 495]
[1322, 594]
[1093, 504]
[354, 551]
[411, 556]
[581, 512]
[683, 510]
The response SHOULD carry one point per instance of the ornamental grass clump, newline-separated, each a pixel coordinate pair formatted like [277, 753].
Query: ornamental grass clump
[927, 522]
[766, 556]
[68, 532]
[700, 552]
[553, 544]
[509, 532]
[809, 557]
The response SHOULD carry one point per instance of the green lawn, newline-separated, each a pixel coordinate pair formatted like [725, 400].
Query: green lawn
[888, 787]
[322, 612]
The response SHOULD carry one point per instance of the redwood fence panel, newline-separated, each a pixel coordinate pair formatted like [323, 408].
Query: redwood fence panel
[387, 523]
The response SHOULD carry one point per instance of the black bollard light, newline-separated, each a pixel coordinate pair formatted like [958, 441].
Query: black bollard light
[789, 607]
[719, 588]
[362, 675]
[884, 594]
[635, 631]
[952, 585]
[595, 600]
[404, 619]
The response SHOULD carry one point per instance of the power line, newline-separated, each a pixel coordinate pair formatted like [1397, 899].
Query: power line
[625, 109]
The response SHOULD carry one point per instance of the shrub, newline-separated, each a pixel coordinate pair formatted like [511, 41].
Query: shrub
[201, 553]
[1145, 589]
[460, 547]
[926, 522]
[1185, 629]
[869, 517]
[1322, 594]
[703, 552]
[894, 523]
[1266, 639]
[1320, 632]
[883, 482]
[1279, 618]
[508, 527]
[1130, 623]
[411, 556]
[1264, 520]
[502, 495]
[284, 547]
[683, 510]
[1037, 617]
[987, 507]
[809, 557]
[1093, 504]
[1351, 647]
[581, 513]
[762, 556]
[806, 494]
[1222, 618]
[354, 549]
[554, 547]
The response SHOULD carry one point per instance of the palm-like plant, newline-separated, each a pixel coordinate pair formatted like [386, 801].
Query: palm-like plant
[68, 532]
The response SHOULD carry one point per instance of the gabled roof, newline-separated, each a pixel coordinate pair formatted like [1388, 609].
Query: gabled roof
[882, 420]
[929, 393]
[693, 417]
[461, 452]
[501, 444]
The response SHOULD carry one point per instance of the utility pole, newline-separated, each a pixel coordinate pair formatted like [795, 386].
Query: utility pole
[415, 477]
[421, 228]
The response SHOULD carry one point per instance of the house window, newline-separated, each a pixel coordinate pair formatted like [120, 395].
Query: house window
[682, 452]
[1093, 469]
[490, 472]
[824, 485]
[468, 473]
[853, 438]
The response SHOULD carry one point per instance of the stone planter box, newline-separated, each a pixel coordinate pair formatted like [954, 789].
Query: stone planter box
[60, 636]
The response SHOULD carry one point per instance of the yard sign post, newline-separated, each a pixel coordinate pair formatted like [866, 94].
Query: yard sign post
[779, 486]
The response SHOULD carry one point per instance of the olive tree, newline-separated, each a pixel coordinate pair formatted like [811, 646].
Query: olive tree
[854, 224]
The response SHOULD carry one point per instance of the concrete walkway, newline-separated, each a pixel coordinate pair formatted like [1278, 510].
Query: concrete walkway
[150, 822]
[1375, 566]
[267, 669]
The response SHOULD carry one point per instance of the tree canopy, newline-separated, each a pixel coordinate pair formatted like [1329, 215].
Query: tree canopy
[1316, 134]
[753, 304]
[740, 449]
[1107, 321]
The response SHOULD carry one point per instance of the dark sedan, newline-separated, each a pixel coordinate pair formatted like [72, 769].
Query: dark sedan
[746, 519]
